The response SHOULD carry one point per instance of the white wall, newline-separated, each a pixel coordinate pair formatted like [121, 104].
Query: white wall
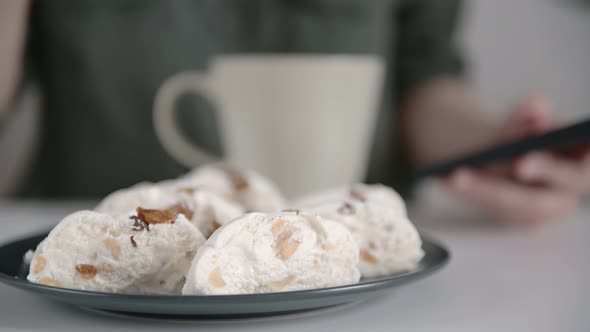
[518, 46]
[515, 46]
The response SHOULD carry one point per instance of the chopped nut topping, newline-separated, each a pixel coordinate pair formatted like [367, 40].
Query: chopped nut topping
[113, 246]
[188, 190]
[39, 263]
[346, 209]
[112, 231]
[237, 177]
[286, 245]
[49, 282]
[180, 208]
[138, 224]
[357, 194]
[133, 243]
[87, 271]
[277, 226]
[276, 286]
[152, 216]
[368, 257]
[216, 279]
[145, 217]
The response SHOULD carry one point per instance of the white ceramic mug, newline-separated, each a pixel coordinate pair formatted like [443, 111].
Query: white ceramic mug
[306, 121]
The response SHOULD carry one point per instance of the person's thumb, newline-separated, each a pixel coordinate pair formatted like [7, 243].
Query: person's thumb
[532, 115]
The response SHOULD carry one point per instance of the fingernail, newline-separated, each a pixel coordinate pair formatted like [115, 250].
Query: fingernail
[461, 179]
[528, 168]
[539, 100]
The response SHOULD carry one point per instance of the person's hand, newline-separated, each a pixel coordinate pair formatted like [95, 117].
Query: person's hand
[535, 188]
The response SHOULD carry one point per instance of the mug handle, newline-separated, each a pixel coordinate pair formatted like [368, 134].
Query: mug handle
[167, 131]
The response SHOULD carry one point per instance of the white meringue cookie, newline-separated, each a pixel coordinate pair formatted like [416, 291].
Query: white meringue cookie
[261, 253]
[100, 252]
[254, 192]
[389, 243]
[376, 216]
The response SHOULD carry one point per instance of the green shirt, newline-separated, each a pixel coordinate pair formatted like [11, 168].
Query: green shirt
[99, 64]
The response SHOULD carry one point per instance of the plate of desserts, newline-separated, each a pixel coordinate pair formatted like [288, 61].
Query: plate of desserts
[222, 242]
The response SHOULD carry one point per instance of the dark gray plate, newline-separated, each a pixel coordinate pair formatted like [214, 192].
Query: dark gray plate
[13, 272]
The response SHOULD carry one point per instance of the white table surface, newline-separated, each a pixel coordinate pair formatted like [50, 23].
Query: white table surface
[499, 279]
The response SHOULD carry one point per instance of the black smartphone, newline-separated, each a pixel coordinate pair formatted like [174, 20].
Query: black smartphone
[567, 137]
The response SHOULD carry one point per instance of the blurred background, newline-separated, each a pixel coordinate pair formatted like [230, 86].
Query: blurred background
[541, 44]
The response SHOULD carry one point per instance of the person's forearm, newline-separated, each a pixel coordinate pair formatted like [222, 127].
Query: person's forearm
[443, 119]
[13, 17]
